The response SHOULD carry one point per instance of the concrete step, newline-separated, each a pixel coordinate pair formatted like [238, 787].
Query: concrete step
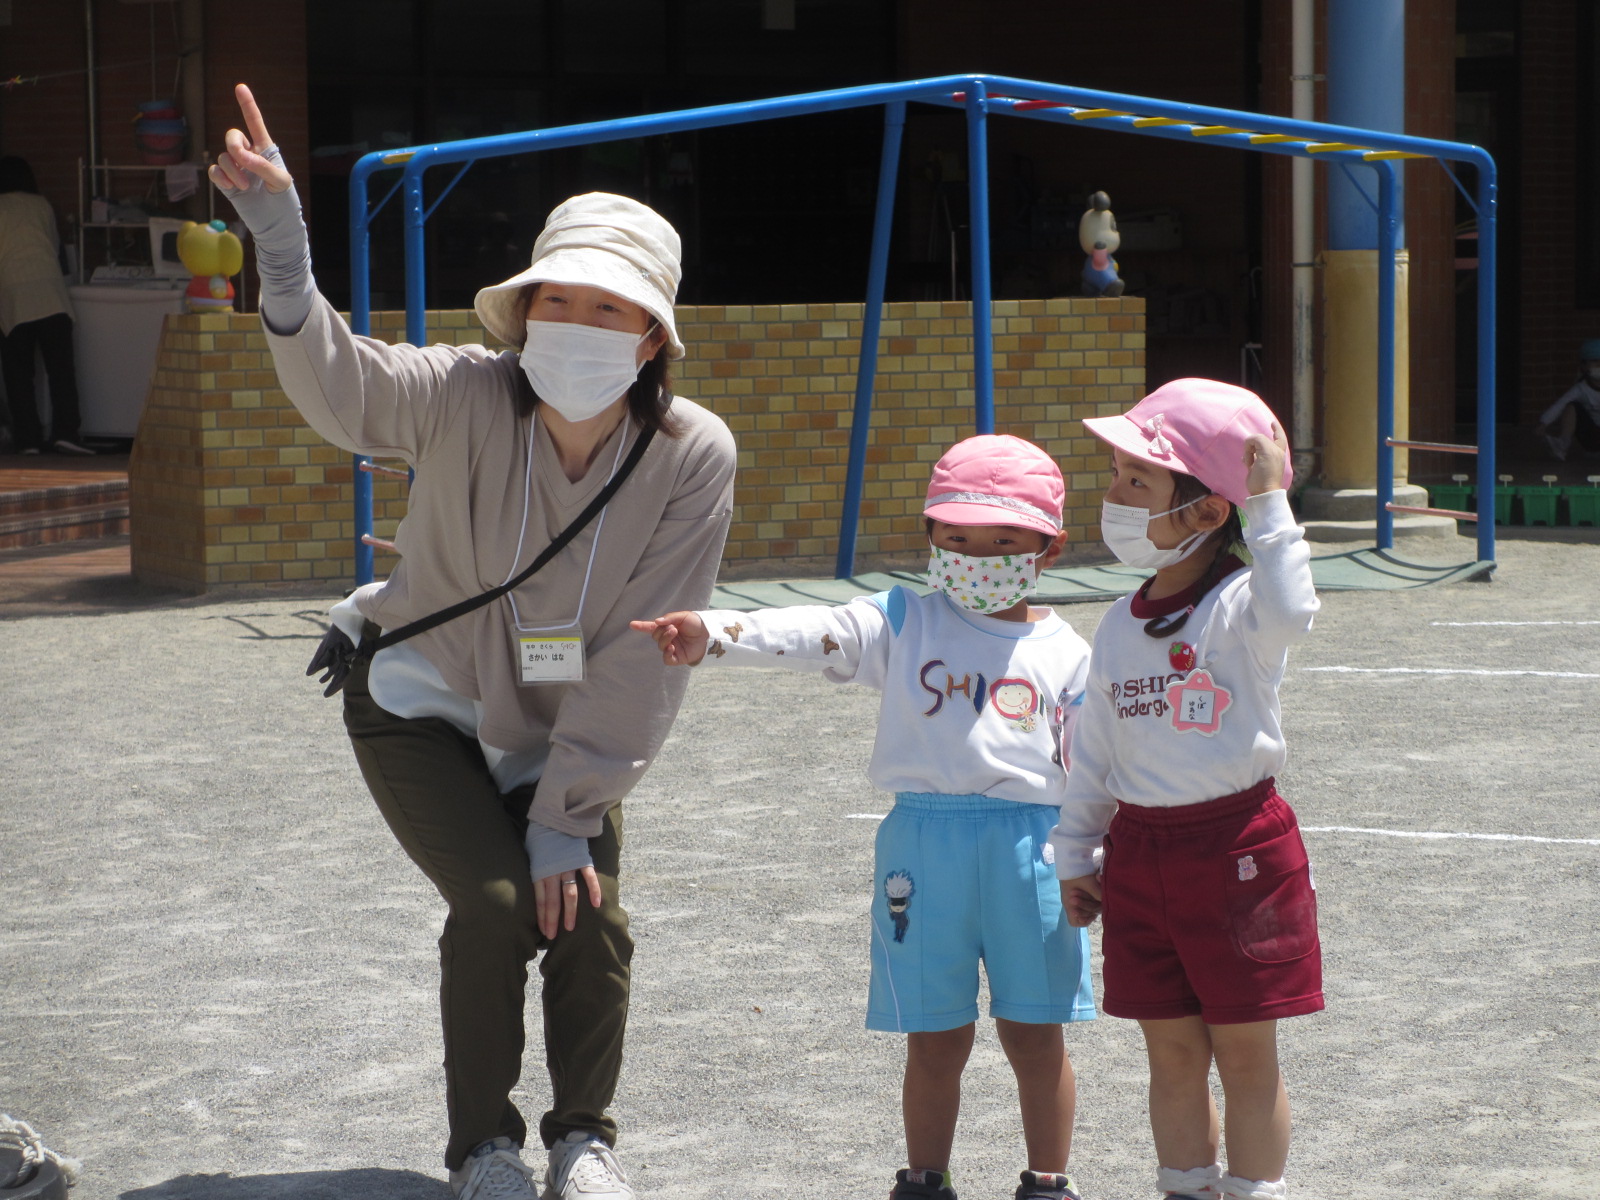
[1351, 515]
[64, 513]
[56, 497]
[1407, 526]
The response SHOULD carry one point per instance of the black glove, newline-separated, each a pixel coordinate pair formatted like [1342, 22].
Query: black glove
[335, 655]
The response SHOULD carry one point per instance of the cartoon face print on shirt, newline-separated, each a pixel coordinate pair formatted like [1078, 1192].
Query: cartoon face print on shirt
[1016, 700]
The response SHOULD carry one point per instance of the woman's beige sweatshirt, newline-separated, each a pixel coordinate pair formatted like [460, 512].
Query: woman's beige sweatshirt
[449, 411]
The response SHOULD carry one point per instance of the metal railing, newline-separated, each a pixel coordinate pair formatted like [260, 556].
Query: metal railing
[978, 96]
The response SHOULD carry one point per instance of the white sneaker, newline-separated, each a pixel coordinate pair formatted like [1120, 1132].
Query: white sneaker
[494, 1171]
[583, 1167]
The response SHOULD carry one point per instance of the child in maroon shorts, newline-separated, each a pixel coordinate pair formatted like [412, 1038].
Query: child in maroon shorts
[1172, 829]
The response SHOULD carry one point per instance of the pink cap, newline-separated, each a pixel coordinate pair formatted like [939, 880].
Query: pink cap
[1196, 426]
[997, 479]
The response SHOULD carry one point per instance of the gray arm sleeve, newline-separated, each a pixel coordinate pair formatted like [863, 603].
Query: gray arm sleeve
[283, 250]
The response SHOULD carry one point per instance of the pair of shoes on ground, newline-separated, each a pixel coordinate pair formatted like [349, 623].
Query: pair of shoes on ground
[930, 1185]
[60, 446]
[582, 1167]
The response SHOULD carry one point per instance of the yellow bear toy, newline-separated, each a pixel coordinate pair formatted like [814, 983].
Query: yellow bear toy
[213, 255]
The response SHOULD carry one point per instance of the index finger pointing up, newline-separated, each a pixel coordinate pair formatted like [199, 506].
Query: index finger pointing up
[260, 139]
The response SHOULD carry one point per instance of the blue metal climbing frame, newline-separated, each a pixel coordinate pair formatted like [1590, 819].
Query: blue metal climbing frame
[980, 96]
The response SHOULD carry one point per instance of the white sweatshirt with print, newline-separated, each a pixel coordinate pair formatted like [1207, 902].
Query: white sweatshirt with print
[971, 705]
[1159, 732]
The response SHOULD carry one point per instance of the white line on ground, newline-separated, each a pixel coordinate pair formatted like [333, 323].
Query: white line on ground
[1425, 835]
[1432, 836]
[1463, 624]
[1451, 671]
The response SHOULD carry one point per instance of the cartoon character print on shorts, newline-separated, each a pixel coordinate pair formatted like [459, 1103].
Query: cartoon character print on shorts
[1017, 701]
[898, 889]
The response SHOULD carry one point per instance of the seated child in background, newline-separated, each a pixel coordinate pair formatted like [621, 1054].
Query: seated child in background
[978, 689]
[1576, 414]
[1205, 889]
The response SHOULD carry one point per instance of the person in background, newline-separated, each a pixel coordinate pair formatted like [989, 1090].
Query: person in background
[35, 315]
[499, 744]
[1575, 416]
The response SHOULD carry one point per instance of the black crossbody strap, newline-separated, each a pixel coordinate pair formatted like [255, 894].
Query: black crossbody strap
[432, 620]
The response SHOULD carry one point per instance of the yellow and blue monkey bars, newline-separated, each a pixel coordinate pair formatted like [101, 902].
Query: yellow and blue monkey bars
[980, 96]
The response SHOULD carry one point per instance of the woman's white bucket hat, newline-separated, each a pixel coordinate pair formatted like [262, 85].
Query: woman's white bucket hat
[595, 240]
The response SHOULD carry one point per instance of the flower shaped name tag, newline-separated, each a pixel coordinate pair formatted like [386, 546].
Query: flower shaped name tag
[1198, 704]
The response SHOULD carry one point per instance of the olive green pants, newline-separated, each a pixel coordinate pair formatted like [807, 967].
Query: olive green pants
[435, 791]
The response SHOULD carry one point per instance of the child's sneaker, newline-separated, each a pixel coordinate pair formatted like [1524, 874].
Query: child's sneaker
[1041, 1185]
[921, 1185]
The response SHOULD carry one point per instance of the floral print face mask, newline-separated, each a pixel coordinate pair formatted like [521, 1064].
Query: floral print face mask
[982, 585]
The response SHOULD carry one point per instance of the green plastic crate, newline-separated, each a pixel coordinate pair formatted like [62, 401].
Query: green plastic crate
[1504, 498]
[1540, 505]
[1456, 496]
[1583, 505]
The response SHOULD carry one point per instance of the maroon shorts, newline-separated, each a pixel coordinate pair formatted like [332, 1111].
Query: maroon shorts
[1209, 911]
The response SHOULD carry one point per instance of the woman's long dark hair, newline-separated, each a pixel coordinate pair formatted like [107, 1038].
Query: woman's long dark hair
[649, 396]
[1185, 490]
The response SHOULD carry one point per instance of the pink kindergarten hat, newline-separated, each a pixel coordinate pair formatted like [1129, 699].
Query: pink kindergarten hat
[1196, 426]
[997, 479]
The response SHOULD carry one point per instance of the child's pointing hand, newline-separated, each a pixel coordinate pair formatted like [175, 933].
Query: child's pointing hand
[681, 635]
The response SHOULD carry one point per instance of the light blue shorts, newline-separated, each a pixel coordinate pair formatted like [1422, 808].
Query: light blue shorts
[959, 879]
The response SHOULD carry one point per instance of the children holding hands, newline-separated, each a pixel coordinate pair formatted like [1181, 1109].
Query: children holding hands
[1167, 820]
[978, 690]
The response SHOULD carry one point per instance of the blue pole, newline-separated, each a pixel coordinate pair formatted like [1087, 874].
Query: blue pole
[361, 322]
[894, 124]
[1366, 88]
[1387, 232]
[415, 219]
[978, 220]
[1487, 417]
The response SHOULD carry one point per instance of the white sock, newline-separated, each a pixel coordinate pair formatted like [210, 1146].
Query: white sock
[1236, 1188]
[1197, 1181]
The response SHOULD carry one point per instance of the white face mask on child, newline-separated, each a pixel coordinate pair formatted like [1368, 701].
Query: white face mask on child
[1126, 533]
[982, 585]
[580, 370]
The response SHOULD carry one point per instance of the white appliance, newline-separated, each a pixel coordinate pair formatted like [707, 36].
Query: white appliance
[114, 340]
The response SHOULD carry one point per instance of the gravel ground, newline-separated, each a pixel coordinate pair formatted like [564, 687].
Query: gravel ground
[221, 970]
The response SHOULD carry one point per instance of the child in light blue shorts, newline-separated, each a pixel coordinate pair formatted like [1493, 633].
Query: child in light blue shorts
[979, 691]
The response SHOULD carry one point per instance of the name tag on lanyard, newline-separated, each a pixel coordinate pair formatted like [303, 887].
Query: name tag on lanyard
[548, 658]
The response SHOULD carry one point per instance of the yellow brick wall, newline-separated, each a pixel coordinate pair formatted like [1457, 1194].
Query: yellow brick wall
[229, 487]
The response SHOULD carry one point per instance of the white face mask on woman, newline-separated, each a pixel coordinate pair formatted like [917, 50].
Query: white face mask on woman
[1126, 533]
[580, 370]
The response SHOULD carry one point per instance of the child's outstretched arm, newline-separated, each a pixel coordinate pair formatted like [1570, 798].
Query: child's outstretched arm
[681, 635]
